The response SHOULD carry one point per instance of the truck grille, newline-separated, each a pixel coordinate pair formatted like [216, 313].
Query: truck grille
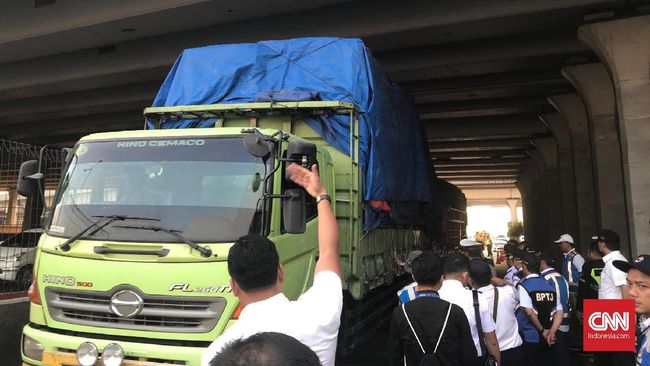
[158, 313]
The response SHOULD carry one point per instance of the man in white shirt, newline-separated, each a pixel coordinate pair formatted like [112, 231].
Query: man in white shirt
[613, 284]
[257, 278]
[456, 277]
[612, 280]
[503, 312]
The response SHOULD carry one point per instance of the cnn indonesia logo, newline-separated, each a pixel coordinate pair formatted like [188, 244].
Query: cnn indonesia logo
[609, 325]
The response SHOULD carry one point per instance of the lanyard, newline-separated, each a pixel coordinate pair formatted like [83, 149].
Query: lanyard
[426, 293]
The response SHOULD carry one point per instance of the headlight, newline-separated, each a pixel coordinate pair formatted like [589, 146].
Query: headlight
[87, 354]
[113, 355]
[19, 257]
[32, 348]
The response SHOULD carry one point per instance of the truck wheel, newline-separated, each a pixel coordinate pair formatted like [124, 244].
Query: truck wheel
[24, 278]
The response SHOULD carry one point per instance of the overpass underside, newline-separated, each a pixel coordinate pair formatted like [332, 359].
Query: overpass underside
[549, 97]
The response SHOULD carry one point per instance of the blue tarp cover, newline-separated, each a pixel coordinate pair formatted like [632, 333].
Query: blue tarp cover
[393, 155]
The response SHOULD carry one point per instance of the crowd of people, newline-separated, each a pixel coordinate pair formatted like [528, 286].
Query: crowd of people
[457, 311]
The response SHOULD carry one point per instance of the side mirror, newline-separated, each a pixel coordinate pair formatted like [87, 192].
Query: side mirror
[256, 145]
[28, 177]
[294, 211]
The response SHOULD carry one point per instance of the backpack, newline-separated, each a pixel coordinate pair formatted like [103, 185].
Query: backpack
[428, 359]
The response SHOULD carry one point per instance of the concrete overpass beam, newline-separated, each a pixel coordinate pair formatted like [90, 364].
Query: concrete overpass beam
[573, 112]
[622, 46]
[595, 86]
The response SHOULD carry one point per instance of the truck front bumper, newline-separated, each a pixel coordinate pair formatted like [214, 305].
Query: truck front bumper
[59, 350]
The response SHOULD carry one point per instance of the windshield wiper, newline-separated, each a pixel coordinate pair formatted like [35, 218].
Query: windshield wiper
[65, 246]
[206, 252]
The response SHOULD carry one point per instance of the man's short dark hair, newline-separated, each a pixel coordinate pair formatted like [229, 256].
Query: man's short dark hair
[593, 247]
[427, 268]
[480, 272]
[253, 263]
[456, 263]
[266, 349]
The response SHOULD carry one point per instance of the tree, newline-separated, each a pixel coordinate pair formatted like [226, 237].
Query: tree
[515, 229]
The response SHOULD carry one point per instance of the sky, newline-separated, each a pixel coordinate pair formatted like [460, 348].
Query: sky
[492, 219]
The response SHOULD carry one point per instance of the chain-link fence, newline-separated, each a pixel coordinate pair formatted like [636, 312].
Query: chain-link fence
[20, 216]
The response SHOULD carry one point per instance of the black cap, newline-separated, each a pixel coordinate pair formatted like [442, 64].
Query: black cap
[547, 257]
[508, 249]
[519, 253]
[530, 259]
[642, 263]
[479, 268]
[608, 236]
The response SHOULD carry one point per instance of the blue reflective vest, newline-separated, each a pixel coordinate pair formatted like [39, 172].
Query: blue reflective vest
[544, 303]
[561, 288]
[570, 271]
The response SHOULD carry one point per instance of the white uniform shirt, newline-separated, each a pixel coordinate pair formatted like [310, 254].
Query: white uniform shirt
[313, 319]
[611, 277]
[454, 292]
[511, 275]
[506, 325]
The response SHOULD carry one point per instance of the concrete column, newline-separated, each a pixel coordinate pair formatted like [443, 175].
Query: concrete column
[566, 176]
[537, 221]
[547, 148]
[595, 86]
[624, 47]
[572, 109]
[523, 184]
[512, 204]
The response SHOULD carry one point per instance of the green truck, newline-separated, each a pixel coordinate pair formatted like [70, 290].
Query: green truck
[132, 267]
[131, 281]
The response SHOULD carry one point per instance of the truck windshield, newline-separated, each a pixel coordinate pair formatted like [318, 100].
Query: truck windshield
[207, 189]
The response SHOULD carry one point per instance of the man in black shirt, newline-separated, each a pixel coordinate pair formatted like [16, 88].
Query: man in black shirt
[590, 277]
[429, 325]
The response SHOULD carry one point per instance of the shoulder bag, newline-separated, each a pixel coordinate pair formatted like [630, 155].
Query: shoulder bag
[489, 359]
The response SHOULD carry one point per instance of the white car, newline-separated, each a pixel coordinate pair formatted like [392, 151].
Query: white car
[17, 255]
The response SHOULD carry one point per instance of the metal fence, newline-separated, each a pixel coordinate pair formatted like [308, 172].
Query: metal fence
[20, 216]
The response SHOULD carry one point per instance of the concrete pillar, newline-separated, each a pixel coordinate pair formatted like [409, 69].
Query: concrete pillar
[624, 47]
[512, 204]
[566, 176]
[537, 207]
[595, 86]
[572, 109]
[524, 186]
[547, 148]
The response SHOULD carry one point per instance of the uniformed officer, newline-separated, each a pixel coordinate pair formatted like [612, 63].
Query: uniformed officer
[560, 349]
[539, 314]
[573, 261]
[512, 272]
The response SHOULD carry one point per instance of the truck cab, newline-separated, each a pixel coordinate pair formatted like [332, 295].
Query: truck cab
[133, 261]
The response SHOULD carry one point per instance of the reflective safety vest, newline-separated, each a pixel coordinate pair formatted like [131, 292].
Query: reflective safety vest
[544, 303]
[570, 271]
[561, 288]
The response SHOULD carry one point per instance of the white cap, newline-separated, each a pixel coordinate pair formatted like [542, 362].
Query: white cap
[565, 237]
[469, 243]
